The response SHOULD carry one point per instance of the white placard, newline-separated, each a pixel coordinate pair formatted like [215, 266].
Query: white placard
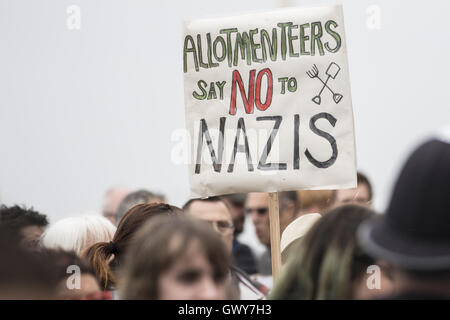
[268, 103]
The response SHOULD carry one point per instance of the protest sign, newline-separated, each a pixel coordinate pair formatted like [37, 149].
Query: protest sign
[268, 103]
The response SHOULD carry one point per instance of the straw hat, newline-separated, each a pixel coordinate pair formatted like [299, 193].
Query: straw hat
[297, 229]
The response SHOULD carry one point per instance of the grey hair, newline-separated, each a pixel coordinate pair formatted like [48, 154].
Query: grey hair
[132, 199]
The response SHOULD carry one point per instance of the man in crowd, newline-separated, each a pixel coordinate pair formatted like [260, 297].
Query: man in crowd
[135, 198]
[111, 202]
[214, 210]
[27, 223]
[242, 254]
[257, 206]
[362, 194]
[413, 236]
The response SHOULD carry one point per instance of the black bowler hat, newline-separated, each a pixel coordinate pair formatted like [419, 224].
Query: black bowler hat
[414, 233]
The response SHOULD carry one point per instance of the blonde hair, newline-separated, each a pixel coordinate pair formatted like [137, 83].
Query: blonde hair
[322, 199]
[78, 233]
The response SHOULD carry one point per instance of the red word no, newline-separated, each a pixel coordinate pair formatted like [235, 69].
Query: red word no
[253, 97]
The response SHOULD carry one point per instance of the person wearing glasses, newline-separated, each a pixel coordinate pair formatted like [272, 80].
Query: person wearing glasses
[257, 207]
[215, 211]
[243, 255]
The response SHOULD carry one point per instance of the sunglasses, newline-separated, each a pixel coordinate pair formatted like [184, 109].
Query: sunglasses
[260, 211]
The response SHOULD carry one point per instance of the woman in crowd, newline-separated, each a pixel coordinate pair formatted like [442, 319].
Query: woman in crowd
[327, 263]
[78, 233]
[175, 258]
[107, 257]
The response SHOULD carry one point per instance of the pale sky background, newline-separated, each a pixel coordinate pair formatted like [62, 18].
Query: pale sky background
[84, 110]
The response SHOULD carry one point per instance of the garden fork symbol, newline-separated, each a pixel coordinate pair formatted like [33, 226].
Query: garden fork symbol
[332, 71]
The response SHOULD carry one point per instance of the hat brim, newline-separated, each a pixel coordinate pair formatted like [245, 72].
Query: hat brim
[382, 241]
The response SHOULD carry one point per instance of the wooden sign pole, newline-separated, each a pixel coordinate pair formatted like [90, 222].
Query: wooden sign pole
[274, 218]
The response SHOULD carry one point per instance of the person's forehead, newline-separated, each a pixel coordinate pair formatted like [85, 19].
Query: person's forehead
[260, 199]
[360, 192]
[211, 211]
[363, 188]
[193, 255]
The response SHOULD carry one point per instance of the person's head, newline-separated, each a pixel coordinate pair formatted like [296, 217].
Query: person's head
[29, 223]
[135, 198]
[236, 203]
[328, 264]
[111, 202]
[314, 201]
[413, 236]
[106, 257]
[76, 279]
[362, 194]
[24, 274]
[78, 233]
[257, 206]
[215, 211]
[176, 258]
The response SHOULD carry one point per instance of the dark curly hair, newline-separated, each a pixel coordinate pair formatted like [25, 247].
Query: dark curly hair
[16, 218]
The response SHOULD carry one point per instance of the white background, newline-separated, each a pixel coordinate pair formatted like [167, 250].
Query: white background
[83, 110]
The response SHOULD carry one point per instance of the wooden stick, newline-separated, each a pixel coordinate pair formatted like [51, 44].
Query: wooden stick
[274, 218]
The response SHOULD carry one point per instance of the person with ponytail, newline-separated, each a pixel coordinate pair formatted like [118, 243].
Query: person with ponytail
[177, 258]
[106, 258]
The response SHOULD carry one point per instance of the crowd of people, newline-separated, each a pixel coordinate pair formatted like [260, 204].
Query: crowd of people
[333, 244]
